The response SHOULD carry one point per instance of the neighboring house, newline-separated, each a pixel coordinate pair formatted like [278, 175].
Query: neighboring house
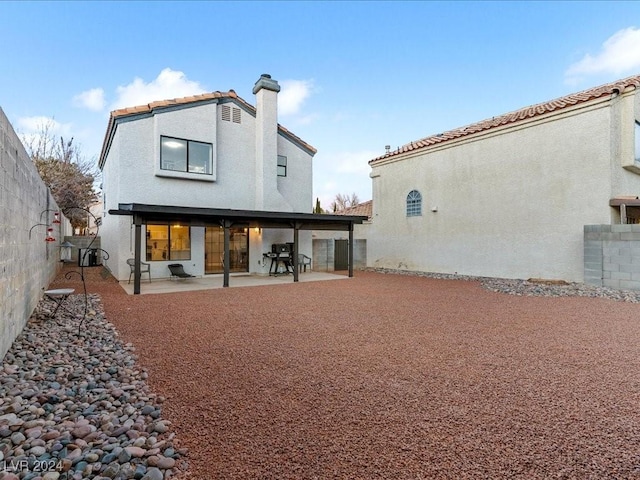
[330, 249]
[208, 181]
[510, 196]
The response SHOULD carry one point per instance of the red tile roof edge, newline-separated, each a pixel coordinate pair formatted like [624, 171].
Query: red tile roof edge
[363, 209]
[618, 86]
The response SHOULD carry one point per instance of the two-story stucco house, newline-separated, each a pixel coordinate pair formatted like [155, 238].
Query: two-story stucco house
[510, 196]
[208, 181]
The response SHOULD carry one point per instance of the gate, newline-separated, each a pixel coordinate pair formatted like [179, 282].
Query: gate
[341, 255]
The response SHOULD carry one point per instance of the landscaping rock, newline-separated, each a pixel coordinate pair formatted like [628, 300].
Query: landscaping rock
[72, 394]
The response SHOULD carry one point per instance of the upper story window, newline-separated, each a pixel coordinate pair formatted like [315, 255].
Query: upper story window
[414, 204]
[282, 166]
[181, 155]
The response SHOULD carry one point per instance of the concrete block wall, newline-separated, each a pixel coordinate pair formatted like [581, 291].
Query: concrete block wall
[80, 242]
[324, 254]
[27, 265]
[612, 256]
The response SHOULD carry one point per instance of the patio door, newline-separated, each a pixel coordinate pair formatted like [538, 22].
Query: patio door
[214, 250]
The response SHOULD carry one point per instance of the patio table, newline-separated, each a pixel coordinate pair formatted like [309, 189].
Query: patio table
[59, 297]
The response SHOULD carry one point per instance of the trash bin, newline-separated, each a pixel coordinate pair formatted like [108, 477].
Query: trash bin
[87, 257]
[93, 257]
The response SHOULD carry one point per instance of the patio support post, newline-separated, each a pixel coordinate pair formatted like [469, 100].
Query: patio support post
[227, 258]
[136, 254]
[296, 229]
[351, 249]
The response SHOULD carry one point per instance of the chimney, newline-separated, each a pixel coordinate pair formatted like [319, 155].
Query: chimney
[266, 91]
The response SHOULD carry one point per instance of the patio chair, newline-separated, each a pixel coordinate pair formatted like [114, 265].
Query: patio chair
[177, 272]
[144, 268]
[303, 261]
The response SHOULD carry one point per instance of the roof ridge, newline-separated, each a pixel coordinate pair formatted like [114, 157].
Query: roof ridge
[514, 116]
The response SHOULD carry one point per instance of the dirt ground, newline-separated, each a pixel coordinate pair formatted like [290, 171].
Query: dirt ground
[389, 376]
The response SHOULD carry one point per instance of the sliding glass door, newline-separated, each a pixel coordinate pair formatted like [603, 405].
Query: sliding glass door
[214, 250]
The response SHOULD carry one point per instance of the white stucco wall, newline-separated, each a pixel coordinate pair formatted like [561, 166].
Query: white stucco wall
[511, 202]
[131, 174]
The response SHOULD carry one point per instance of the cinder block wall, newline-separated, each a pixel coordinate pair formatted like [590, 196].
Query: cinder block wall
[80, 242]
[27, 265]
[612, 256]
[324, 254]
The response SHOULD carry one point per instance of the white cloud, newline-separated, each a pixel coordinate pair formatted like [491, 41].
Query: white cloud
[169, 84]
[354, 162]
[619, 54]
[345, 173]
[32, 125]
[30, 129]
[92, 99]
[307, 119]
[292, 95]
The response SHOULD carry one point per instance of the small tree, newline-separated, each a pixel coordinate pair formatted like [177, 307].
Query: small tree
[68, 174]
[318, 208]
[344, 201]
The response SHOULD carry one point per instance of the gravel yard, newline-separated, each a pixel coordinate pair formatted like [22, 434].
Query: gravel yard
[391, 376]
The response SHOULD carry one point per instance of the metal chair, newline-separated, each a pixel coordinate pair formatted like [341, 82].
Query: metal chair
[144, 268]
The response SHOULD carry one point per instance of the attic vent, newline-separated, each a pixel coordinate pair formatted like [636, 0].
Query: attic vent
[236, 115]
[226, 113]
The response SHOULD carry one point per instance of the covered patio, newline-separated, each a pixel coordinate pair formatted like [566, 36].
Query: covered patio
[144, 214]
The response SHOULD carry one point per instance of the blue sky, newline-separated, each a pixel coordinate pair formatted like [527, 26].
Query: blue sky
[355, 76]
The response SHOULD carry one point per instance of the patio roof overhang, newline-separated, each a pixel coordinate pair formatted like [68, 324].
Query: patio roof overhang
[196, 216]
[144, 214]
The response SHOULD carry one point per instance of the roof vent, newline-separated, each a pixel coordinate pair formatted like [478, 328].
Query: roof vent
[226, 113]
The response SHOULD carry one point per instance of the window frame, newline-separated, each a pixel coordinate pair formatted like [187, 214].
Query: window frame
[282, 165]
[148, 240]
[413, 205]
[209, 167]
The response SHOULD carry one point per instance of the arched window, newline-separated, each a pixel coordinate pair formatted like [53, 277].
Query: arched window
[414, 204]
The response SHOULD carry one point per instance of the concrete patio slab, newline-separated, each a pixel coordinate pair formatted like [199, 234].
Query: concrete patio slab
[208, 282]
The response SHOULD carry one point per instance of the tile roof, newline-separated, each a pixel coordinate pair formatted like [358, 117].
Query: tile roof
[363, 209]
[184, 101]
[149, 107]
[617, 87]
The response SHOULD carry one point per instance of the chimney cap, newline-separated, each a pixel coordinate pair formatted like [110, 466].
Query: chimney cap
[265, 81]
